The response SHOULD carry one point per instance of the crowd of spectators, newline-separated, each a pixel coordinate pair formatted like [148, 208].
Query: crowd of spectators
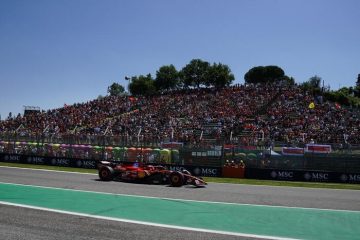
[292, 119]
[266, 112]
[68, 118]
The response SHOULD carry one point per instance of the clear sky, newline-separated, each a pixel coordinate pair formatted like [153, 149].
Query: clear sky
[54, 52]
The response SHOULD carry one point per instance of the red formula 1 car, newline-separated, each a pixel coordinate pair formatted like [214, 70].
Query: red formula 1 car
[141, 173]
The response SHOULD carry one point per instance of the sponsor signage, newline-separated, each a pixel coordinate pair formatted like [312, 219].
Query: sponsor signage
[197, 170]
[317, 148]
[256, 173]
[282, 175]
[83, 163]
[317, 176]
[51, 161]
[11, 158]
[350, 177]
[35, 160]
[232, 146]
[172, 145]
[302, 175]
[291, 151]
[63, 162]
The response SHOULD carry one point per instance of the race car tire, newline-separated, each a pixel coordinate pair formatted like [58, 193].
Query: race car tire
[106, 173]
[176, 179]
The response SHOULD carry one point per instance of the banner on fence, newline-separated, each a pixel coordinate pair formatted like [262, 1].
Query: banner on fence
[292, 151]
[172, 145]
[302, 175]
[50, 161]
[317, 148]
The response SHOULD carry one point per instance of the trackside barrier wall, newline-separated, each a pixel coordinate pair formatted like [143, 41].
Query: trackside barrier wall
[92, 164]
[302, 175]
[252, 173]
[49, 161]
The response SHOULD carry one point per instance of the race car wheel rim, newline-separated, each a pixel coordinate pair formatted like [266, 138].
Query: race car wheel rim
[104, 173]
[175, 178]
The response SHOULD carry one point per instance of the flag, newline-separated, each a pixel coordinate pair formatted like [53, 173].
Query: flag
[338, 106]
[312, 105]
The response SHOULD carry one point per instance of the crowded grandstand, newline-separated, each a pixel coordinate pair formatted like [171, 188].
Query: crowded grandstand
[248, 114]
[196, 117]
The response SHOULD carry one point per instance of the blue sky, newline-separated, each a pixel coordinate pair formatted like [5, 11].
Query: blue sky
[54, 52]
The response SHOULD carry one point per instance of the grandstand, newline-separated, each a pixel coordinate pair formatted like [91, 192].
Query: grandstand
[249, 114]
[205, 126]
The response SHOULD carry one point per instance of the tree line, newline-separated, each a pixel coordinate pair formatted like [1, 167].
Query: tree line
[198, 73]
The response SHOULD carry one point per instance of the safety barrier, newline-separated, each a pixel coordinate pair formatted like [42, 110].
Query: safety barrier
[252, 173]
[205, 171]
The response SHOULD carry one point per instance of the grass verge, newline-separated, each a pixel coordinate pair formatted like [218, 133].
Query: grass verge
[208, 179]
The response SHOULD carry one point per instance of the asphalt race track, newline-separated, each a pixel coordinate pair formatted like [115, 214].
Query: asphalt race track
[23, 223]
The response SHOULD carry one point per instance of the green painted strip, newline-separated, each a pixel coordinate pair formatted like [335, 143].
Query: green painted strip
[237, 218]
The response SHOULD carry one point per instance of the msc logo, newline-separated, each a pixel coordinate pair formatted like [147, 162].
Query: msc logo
[208, 171]
[350, 177]
[199, 171]
[35, 160]
[176, 168]
[11, 158]
[60, 162]
[282, 174]
[343, 177]
[86, 164]
[316, 176]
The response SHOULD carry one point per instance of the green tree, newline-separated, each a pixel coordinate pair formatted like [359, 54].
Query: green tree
[219, 75]
[195, 73]
[357, 91]
[167, 78]
[315, 81]
[142, 85]
[267, 74]
[312, 85]
[289, 80]
[115, 89]
[357, 87]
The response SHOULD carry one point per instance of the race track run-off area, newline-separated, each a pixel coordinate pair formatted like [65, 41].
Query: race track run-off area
[269, 222]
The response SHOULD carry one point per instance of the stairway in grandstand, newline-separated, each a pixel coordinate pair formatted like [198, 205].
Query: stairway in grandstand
[262, 110]
[104, 122]
[210, 129]
[240, 130]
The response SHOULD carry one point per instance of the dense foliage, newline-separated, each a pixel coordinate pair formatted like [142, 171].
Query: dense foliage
[198, 73]
[116, 89]
[267, 74]
[343, 96]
